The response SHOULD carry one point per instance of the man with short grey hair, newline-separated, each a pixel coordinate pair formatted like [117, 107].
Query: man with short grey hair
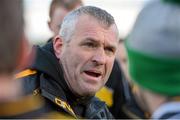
[72, 68]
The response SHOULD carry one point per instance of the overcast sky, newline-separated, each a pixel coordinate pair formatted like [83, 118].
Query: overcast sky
[36, 16]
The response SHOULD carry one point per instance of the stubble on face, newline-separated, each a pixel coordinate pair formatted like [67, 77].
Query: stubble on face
[83, 76]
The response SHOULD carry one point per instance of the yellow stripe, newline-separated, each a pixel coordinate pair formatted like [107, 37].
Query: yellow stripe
[25, 73]
[21, 106]
[106, 95]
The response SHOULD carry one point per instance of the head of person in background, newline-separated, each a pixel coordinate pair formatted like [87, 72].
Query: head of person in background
[58, 10]
[14, 48]
[154, 58]
[122, 58]
[87, 50]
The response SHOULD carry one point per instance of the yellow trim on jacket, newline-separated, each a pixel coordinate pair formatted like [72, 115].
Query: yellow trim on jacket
[25, 73]
[106, 95]
[23, 105]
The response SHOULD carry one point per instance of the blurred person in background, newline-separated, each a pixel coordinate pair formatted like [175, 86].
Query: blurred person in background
[76, 64]
[58, 10]
[154, 58]
[122, 58]
[130, 106]
[14, 52]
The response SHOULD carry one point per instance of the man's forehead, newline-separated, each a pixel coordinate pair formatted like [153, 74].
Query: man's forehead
[89, 27]
[89, 23]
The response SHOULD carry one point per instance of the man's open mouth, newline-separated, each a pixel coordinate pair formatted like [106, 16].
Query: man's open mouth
[93, 74]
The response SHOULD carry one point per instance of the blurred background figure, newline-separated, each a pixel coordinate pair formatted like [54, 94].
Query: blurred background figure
[154, 58]
[57, 12]
[122, 58]
[14, 52]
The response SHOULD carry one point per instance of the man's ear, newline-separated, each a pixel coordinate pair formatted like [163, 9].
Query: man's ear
[26, 54]
[57, 45]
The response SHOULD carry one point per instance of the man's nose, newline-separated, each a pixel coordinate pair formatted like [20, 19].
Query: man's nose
[99, 57]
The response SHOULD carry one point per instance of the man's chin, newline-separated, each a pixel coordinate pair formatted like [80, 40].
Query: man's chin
[88, 94]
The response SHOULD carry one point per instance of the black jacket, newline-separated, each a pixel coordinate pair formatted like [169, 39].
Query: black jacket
[48, 81]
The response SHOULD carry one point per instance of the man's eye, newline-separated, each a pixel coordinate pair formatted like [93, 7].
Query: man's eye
[91, 45]
[110, 51]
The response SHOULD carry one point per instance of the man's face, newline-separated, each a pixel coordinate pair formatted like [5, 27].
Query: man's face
[56, 20]
[88, 58]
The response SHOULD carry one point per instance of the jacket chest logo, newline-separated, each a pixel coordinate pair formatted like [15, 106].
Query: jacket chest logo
[64, 105]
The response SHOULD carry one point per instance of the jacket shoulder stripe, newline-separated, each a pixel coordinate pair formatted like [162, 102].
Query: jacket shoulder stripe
[106, 95]
[25, 73]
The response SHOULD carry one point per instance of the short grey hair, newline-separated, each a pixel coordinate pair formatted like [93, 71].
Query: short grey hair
[69, 22]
